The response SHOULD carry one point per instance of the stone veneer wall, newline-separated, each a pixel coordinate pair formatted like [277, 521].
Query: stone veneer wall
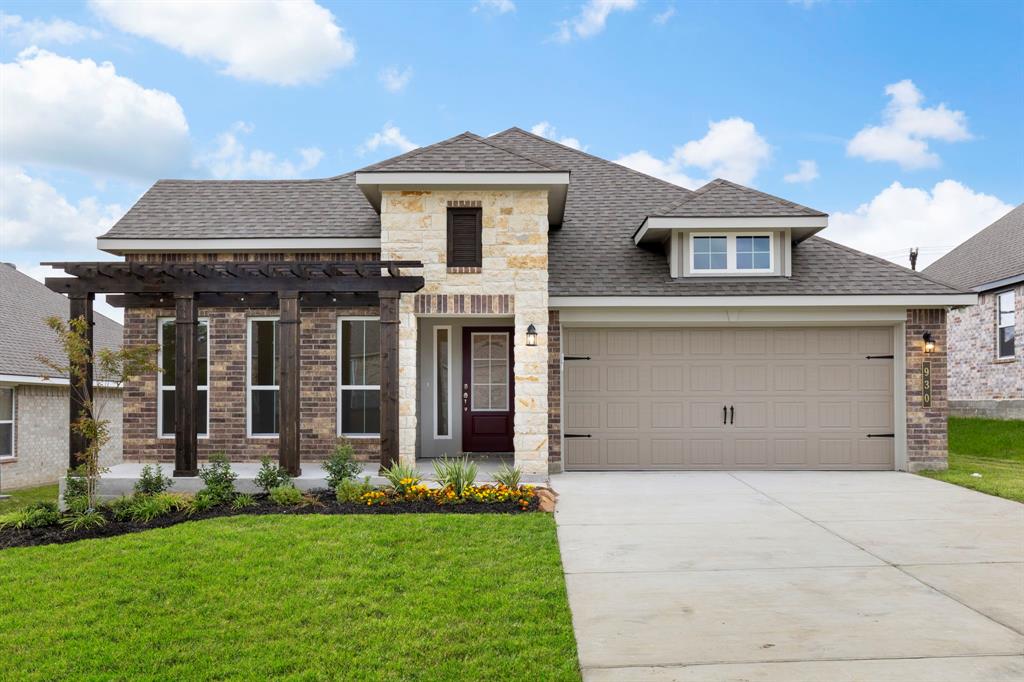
[554, 392]
[515, 257]
[980, 384]
[41, 434]
[926, 427]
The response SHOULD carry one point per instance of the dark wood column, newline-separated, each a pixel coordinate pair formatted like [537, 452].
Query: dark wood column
[288, 391]
[388, 377]
[81, 392]
[186, 376]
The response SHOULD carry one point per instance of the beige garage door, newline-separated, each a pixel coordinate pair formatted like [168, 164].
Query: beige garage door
[779, 398]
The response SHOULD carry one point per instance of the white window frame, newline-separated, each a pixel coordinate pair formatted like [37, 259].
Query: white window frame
[249, 387]
[13, 421]
[448, 388]
[160, 379]
[351, 387]
[730, 253]
[1013, 310]
[472, 371]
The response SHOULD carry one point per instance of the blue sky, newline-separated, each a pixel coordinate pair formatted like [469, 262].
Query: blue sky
[902, 120]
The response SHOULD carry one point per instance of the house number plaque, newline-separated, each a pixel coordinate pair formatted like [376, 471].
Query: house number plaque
[926, 384]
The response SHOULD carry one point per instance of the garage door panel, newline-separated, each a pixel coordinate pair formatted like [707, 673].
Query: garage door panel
[803, 398]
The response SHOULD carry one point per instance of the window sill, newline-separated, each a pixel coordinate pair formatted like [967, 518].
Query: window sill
[465, 270]
[360, 436]
[8, 459]
[1005, 361]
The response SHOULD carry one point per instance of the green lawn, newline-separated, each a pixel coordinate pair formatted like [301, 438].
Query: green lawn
[404, 597]
[26, 496]
[990, 447]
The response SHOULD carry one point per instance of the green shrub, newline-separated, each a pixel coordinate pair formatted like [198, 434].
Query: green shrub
[352, 491]
[152, 481]
[341, 466]
[286, 496]
[509, 476]
[121, 508]
[243, 501]
[401, 476]
[219, 480]
[145, 508]
[202, 502]
[76, 491]
[86, 520]
[38, 515]
[457, 474]
[271, 475]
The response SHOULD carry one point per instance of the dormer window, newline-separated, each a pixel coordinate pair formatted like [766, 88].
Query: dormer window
[732, 253]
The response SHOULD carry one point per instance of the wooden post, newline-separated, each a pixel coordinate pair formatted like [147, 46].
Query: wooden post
[81, 306]
[288, 391]
[388, 377]
[186, 395]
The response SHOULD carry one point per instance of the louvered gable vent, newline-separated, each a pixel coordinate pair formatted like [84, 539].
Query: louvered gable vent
[464, 242]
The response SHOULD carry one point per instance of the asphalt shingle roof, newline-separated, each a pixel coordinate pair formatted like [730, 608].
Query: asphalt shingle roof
[721, 198]
[241, 209]
[466, 152]
[996, 253]
[24, 306]
[593, 253]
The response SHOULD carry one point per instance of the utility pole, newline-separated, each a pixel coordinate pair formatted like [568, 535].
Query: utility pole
[913, 258]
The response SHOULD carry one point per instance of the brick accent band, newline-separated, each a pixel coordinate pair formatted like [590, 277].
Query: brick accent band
[465, 203]
[462, 304]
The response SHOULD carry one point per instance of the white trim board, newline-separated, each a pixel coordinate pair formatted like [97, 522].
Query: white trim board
[675, 317]
[311, 244]
[801, 226]
[47, 381]
[814, 301]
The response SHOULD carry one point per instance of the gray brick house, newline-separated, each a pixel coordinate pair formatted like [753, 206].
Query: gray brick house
[986, 340]
[34, 404]
[512, 295]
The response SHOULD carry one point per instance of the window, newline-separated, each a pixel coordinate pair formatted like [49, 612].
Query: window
[442, 382]
[165, 379]
[264, 377]
[464, 237]
[710, 253]
[490, 369]
[1006, 318]
[359, 377]
[731, 253]
[7, 421]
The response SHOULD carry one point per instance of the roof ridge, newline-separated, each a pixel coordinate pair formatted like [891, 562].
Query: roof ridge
[254, 181]
[465, 134]
[974, 236]
[889, 263]
[415, 152]
[514, 153]
[700, 191]
[590, 156]
[786, 202]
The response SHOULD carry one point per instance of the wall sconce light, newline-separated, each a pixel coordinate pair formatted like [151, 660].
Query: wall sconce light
[531, 335]
[929, 342]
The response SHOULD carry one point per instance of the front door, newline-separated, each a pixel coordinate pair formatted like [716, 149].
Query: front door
[487, 389]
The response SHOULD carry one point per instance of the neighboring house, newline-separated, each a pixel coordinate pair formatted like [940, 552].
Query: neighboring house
[569, 310]
[986, 341]
[34, 403]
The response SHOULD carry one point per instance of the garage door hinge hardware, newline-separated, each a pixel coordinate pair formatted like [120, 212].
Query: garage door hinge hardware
[576, 435]
[881, 435]
[576, 357]
[879, 357]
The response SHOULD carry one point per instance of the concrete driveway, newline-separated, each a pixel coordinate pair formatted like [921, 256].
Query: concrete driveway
[792, 576]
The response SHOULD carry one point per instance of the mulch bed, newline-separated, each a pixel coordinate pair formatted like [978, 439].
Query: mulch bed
[51, 535]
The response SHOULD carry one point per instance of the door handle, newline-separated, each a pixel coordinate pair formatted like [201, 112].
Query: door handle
[732, 413]
[725, 413]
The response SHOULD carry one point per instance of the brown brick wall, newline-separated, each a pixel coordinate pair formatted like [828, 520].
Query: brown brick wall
[554, 392]
[926, 427]
[975, 371]
[227, 366]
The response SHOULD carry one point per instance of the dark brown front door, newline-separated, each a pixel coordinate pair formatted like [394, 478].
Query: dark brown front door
[487, 389]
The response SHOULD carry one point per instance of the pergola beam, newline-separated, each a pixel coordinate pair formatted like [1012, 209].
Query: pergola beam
[134, 285]
[254, 300]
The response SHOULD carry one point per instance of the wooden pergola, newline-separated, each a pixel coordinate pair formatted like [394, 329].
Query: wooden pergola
[287, 285]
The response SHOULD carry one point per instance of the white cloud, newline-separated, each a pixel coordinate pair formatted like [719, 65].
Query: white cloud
[80, 114]
[545, 129]
[805, 172]
[285, 42]
[388, 136]
[495, 6]
[22, 31]
[907, 127]
[395, 79]
[591, 19]
[232, 160]
[732, 149]
[900, 218]
[34, 214]
[661, 18]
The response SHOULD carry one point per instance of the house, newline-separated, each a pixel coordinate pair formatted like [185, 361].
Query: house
[34, 402]
[986, 353]
[509, 294]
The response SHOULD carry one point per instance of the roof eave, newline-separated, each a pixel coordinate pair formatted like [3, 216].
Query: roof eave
[654, 227]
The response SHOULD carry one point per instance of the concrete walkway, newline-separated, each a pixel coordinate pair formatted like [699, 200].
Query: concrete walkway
[791, 576]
